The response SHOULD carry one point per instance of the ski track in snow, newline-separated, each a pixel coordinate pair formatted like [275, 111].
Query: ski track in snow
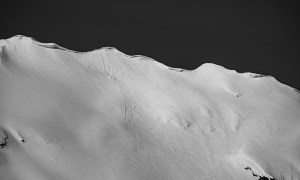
[107, 115]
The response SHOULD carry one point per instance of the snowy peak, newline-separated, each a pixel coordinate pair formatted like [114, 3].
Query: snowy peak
[104, 114]
[209, 69]
[116, 65]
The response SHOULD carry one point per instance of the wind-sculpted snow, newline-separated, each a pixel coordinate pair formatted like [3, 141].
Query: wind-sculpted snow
[106, 115]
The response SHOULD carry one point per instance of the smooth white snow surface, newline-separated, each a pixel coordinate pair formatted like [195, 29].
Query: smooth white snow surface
[106, 115]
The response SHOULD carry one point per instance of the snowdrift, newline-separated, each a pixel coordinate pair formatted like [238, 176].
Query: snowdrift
[107, 115]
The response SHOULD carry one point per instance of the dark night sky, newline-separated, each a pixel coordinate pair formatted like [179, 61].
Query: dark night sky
[260, 37]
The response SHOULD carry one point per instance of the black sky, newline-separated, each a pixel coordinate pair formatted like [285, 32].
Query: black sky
[257, 36]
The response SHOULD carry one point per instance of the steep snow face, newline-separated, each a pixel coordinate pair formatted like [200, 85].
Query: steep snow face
[107, 115]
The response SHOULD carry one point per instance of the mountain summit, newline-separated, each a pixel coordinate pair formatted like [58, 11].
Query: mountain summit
[107, 115]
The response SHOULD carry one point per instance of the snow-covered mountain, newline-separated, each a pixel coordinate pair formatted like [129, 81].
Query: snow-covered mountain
[107, 115]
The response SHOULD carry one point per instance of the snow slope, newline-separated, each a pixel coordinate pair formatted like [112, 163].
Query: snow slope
[106, 115]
